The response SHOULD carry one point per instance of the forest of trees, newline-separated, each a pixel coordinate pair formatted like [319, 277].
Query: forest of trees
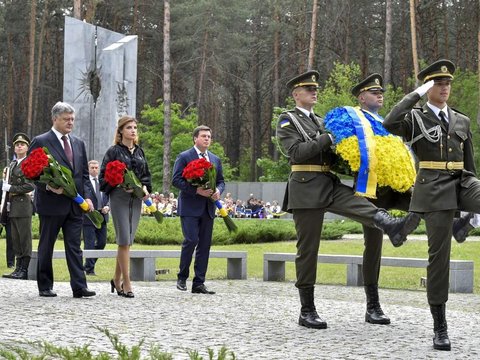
[228, 61]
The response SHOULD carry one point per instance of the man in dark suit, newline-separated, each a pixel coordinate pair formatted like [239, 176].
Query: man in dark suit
[19, 209]
[94, 238]
[197, 211]
[57, 211]
[312, 190]
[446, 181]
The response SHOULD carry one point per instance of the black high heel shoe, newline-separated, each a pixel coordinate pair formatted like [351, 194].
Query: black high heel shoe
[114, 288]
[128, 294]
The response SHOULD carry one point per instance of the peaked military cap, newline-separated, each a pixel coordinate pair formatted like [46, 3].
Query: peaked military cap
[438, 70]
[21, 137]
[309, 78]
[371, 82]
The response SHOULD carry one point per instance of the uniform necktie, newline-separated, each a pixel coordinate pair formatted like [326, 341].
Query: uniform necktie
[443, 119]
[311, 116]
[97, 193]
[67, 149]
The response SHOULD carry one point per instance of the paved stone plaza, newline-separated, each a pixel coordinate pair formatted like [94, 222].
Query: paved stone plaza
[255, 319]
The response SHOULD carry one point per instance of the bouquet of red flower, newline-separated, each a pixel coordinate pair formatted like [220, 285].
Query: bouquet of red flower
[41, 166]
[201, 172]
[117, 174]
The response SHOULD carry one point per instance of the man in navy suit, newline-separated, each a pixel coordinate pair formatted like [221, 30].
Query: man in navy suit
[197, 211]
[94, 238]
[57, 211]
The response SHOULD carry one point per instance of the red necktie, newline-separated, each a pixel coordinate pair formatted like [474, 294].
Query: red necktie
[68, 149]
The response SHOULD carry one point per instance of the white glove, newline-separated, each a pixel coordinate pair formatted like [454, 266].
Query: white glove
[422, 90]
[6, 187]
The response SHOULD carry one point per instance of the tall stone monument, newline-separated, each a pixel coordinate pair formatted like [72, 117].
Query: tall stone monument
[100, 81]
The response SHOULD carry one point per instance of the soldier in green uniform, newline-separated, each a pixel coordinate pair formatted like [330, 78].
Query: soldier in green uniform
[369, 93]
[441, 139]
[20, 209]
[312, 190]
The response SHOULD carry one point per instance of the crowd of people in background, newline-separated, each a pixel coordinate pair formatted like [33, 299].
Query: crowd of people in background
[252, 208]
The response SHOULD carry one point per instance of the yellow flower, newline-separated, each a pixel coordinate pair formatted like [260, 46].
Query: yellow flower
[395, 167]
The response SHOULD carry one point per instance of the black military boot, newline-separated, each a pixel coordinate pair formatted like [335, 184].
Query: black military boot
[440, 340]
[13, 274]
[22, 273]
[374, 314]
[308, 315]
[461, 227]
[397, 229]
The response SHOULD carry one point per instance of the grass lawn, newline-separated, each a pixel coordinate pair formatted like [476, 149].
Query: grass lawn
[390, 277]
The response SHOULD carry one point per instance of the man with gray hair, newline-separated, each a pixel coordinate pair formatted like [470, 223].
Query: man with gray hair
[57, 211]
[93, 238]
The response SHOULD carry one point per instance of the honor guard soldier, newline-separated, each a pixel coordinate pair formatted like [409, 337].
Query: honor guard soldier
[369, 93]
[312, 190]
[20, 209]
[442, 142]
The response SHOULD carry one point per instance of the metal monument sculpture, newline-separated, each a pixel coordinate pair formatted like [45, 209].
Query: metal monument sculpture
[100, 81]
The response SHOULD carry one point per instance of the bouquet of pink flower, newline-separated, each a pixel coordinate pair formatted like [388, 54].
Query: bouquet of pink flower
[117, 174]
[41, 166]
[202, 173]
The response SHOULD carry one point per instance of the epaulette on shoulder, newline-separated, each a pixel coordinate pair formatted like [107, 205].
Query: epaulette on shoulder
[459, 112]
[417, 109]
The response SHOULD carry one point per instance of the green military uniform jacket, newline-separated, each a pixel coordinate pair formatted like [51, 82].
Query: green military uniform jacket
[306, 190]
[20, 201]
[435, 190]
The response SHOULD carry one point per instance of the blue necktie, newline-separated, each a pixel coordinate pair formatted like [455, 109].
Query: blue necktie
[97, 194]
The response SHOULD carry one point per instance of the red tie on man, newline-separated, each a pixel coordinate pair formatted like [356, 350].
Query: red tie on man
[67, 149]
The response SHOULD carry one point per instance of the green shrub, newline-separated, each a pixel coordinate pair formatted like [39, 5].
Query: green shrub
[44, 350]
[250, 231]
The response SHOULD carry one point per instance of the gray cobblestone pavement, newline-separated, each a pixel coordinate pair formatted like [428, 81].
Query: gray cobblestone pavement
[255, 319]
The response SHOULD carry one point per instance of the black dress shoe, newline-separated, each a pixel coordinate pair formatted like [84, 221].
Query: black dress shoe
[182, 285]
[461, 227]
[375, 315]
[47, 293]
[9, 276]
[311, 320]
[83, 293]
[202, 289]
[91, 273]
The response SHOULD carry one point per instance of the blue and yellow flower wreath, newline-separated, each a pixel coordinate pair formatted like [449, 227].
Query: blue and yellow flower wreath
[378, 157]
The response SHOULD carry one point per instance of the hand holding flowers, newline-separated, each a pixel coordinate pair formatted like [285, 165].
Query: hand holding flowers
[203, 175]
[117, 174]
[41, 166]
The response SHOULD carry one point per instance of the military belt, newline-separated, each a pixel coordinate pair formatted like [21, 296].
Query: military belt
[441, 165]
[317, 168]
